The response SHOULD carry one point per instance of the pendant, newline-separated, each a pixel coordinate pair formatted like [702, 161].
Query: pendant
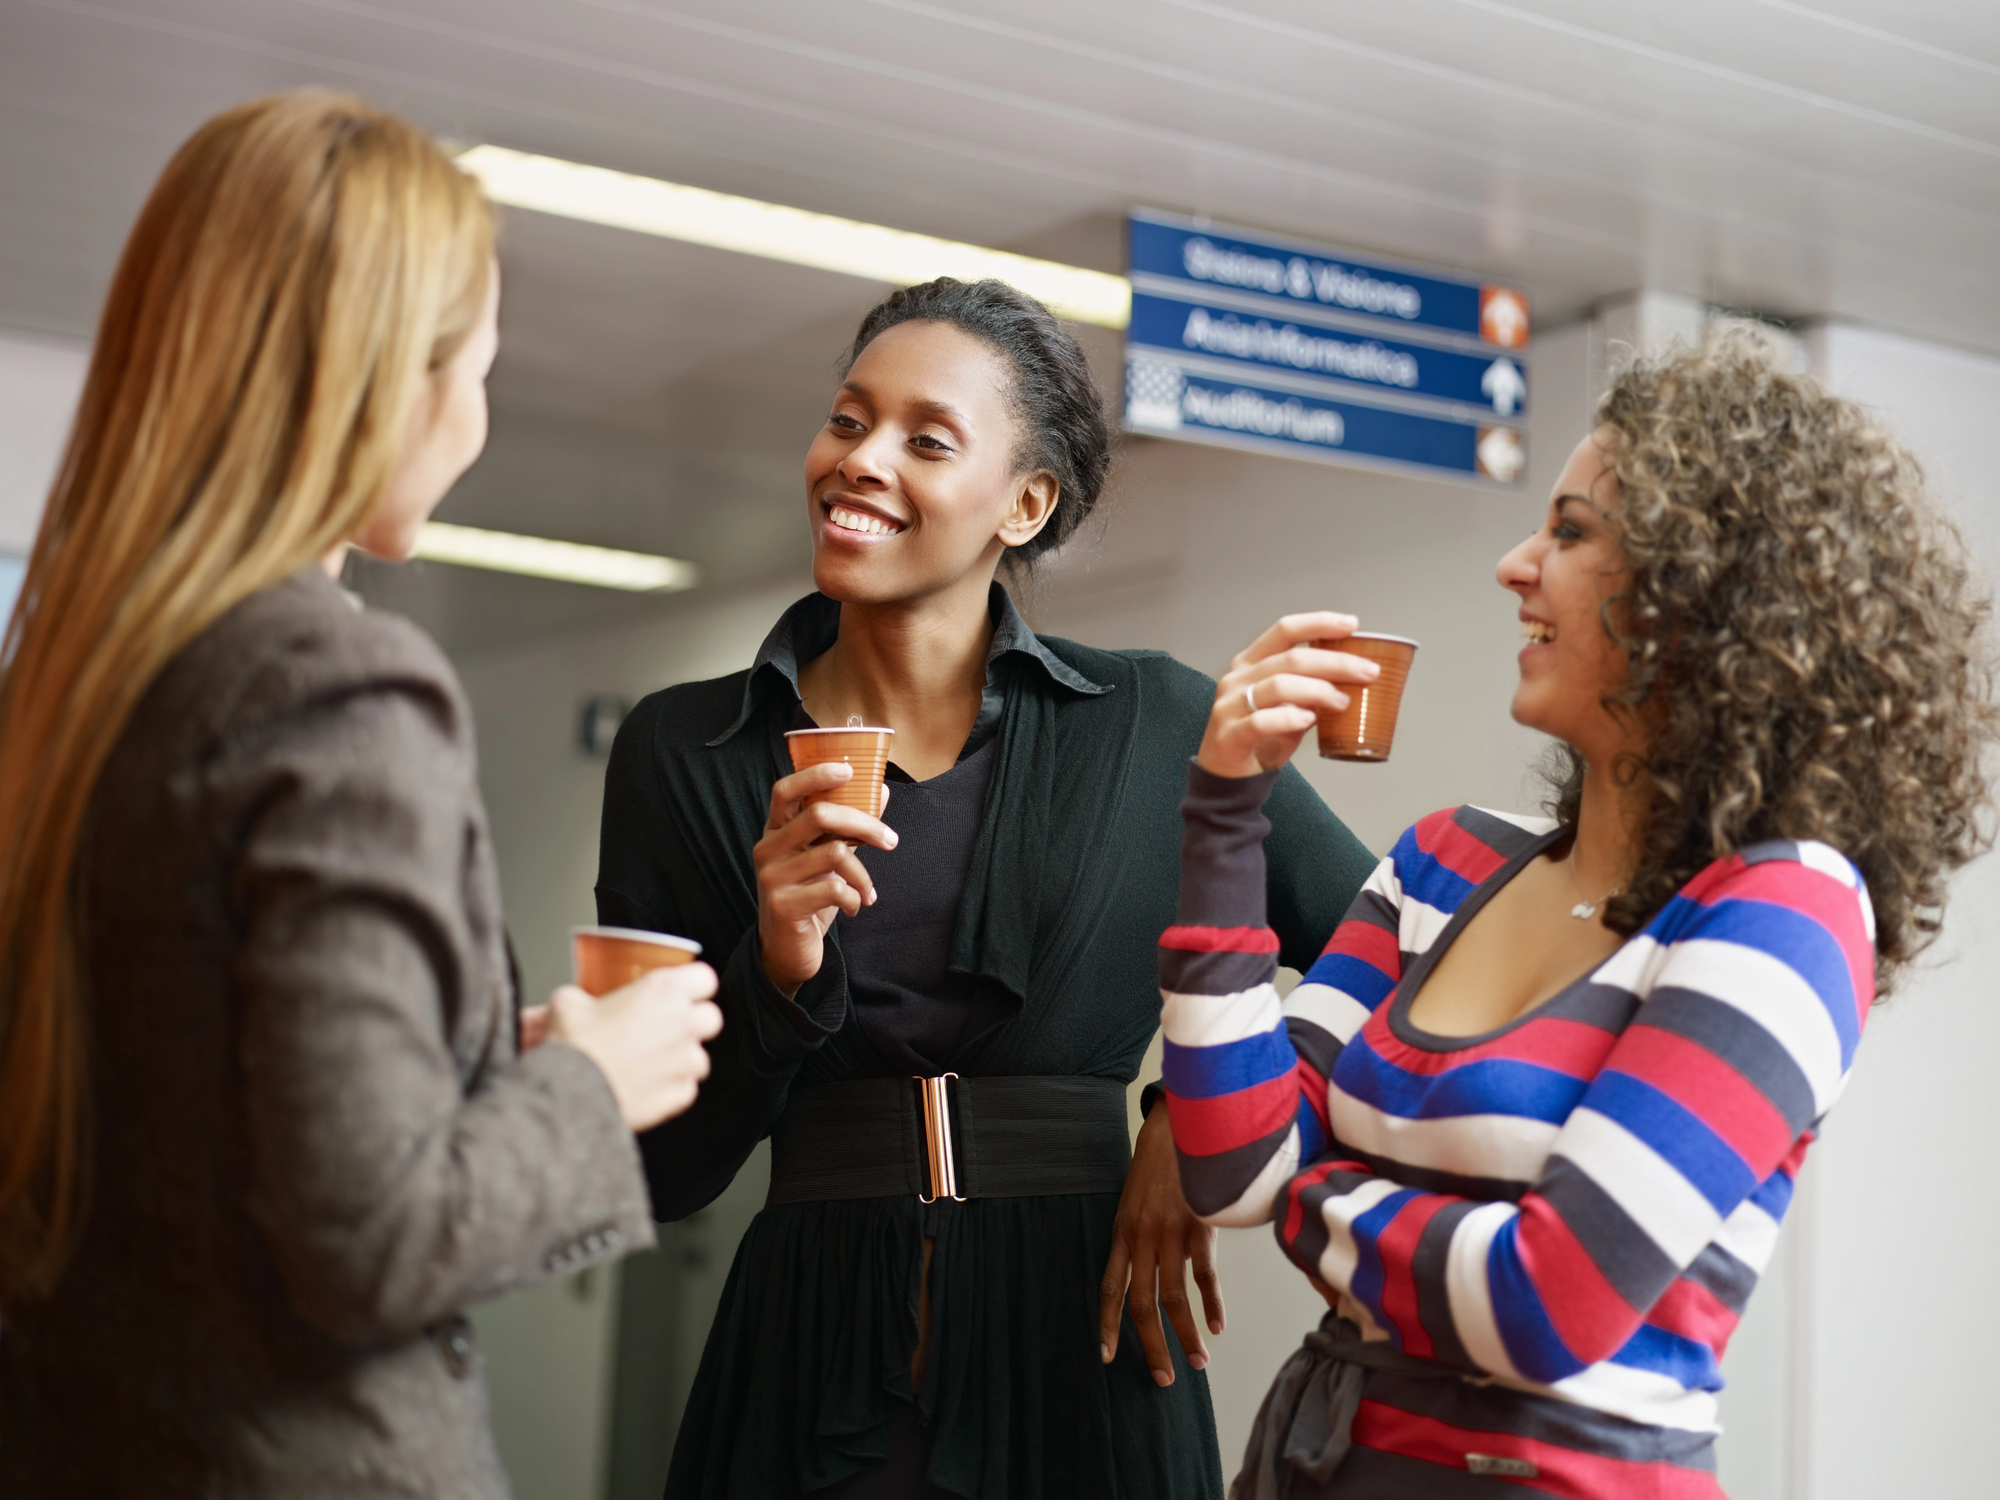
[1583, 911]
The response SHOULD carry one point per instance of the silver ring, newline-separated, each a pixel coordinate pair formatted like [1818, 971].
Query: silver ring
[1250, 696]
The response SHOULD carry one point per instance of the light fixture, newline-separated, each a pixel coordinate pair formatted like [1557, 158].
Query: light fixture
[541, 557]
[873, 251]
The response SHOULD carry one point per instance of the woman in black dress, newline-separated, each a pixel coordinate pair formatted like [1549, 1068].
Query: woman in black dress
[997, 924]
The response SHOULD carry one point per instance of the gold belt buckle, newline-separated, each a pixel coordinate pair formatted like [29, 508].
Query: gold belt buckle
[937, 1140]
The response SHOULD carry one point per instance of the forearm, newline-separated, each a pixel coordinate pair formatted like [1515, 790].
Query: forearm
[1230, 1071]
[1659, 1192]
[765, 1037]
[388, 1196]
[1490, 1286]
[1316, 868]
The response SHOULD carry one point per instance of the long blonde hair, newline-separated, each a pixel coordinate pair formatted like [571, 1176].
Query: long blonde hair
[303, 265]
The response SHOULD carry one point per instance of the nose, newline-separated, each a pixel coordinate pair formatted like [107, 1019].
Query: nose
[865, 466]
[1520, 568]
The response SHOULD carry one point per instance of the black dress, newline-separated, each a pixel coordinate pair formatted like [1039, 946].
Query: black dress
[1070, 880]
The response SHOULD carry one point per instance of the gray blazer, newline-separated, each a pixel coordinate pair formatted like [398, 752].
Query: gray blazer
[313, 1140]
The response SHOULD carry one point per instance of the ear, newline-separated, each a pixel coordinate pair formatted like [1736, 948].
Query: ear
[1034, 506]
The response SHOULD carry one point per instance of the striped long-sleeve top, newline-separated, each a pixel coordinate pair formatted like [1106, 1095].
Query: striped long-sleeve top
[1574, 1206]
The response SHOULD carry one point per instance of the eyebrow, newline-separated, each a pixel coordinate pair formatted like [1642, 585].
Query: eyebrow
[924, 404]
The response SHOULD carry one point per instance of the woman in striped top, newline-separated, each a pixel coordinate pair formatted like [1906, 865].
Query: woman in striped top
[1532, 1120]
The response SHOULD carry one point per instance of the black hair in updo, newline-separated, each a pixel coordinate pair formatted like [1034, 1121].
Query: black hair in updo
[1055, 397]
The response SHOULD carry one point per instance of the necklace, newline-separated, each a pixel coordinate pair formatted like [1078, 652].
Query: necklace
[1583, 911]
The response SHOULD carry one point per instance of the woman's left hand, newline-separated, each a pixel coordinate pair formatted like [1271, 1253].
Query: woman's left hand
[1154, 1237]
[534, 1026]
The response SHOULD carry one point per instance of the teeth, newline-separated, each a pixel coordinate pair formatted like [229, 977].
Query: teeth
[1536, 633]
[855, 520]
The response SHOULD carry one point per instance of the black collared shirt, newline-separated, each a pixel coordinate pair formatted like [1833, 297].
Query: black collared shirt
[908, 1001]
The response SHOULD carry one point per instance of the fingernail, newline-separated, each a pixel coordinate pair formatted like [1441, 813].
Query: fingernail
[1163, 1378]
[893, 840]
[1215, 1325]
[1198, 1361]
[1104, 1351]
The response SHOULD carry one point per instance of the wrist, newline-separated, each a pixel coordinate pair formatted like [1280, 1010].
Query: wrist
[783, 979]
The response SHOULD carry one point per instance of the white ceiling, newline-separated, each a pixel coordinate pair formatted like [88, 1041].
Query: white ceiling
[1840, 158]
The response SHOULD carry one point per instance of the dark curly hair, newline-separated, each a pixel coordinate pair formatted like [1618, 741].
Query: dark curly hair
[1055, 397]
[1807, 638]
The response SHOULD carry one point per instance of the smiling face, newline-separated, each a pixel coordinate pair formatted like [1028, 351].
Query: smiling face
[912, 485]
[1562, 575]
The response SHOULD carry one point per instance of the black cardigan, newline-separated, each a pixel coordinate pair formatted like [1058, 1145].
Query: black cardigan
[1072, 880]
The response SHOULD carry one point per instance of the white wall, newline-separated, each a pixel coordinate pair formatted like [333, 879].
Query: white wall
[550, 1351]
[40, 379]
[1901, 1311]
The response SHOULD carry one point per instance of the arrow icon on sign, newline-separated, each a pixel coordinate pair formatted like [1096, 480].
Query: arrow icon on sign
[1504, 385]
[1500, 454]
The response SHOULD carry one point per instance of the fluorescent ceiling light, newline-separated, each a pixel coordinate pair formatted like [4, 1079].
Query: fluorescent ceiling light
[539, 557]
[601, 196]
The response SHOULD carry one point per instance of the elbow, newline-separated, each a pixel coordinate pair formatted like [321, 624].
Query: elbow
[677, 1192]
[1545, 1368]
[351, 1302]
[1225, 1204]
[380, 1281]
[1217, 1193]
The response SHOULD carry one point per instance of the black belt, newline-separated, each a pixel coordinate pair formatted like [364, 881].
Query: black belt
[950, 1137]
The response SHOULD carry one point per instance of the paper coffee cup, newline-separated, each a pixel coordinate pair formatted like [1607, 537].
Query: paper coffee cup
[1365, 728]
[609, 958]
[867, 750]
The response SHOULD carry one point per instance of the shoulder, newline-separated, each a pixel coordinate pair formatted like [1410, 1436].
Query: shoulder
[688, 716]
[1165, 683]
[1776, 895]
[1779, 939]
[1442, 858]
[300, 646]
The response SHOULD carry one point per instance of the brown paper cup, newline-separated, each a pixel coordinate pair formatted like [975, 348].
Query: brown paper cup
[867, 750]
[1365, 729]
[609, 958]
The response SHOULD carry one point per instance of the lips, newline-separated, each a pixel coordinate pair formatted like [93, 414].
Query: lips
[861, 522]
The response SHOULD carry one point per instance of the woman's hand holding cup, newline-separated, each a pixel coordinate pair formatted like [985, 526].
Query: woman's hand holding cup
[808, 871]
[1275, 690]
[646, 1038]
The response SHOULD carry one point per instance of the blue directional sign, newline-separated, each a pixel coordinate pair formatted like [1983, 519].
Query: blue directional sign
[1168, 400]
[1488, 378]
[1246, 341]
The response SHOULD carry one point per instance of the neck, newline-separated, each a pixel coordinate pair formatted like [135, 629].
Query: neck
[1608, 823]
[917, 666]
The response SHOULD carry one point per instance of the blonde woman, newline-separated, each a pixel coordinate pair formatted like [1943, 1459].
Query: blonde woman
[265, 1125]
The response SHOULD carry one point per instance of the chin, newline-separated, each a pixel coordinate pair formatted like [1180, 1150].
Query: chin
[851, 580]
[1525, 711]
